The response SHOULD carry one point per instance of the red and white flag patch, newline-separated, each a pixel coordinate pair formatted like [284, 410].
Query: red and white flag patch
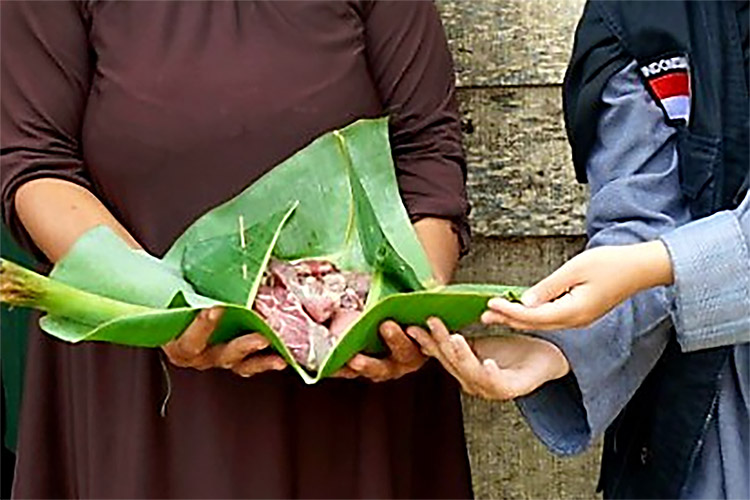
[668, 80]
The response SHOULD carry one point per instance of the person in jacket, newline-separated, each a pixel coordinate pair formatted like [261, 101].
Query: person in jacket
[656, 108]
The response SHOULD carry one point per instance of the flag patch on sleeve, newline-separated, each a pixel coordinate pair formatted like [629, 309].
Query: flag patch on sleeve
[668, 80]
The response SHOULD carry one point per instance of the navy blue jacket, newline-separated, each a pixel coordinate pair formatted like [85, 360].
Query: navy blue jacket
[659, 432]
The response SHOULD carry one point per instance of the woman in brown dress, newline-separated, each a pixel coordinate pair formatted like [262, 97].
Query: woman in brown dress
[142, 116]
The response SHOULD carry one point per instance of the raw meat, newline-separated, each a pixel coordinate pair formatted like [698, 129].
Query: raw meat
[283, 312]
[310, 304]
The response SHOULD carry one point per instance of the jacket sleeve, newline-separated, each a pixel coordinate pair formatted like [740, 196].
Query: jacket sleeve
[635, 196]
[597, 55]
[46, 75]
[711, 266]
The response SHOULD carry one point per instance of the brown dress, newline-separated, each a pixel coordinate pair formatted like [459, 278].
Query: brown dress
[164, 110]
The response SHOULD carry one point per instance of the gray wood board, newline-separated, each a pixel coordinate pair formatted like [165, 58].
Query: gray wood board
[521, 180]
[510, 42]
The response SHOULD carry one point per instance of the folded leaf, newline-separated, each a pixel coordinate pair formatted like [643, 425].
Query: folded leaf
[335, 200]
[230, 267]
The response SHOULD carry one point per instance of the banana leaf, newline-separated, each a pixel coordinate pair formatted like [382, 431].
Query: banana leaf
[337, 199]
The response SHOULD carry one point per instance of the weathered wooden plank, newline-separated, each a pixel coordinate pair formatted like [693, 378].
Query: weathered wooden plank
[507, 461]
[510, 42]
[520, 261]
[521, 180]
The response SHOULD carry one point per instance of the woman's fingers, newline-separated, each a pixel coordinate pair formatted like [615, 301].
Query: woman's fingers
[377, 370]
[426, 343]
[229, 354]
[405, 357]
[403, 350]
[380, 370]
[194, 339]
[259, 363]
[188, 348]
[345, 372]
[438, 329]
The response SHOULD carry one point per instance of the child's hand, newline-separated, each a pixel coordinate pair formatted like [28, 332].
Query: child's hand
[585, 288]
[500, 368]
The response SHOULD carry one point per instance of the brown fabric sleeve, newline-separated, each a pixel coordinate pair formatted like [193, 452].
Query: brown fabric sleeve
[410, 63]
[46, 72]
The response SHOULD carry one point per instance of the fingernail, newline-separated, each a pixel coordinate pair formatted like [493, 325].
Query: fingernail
[255, 344]
[491, 318]
[529, 299]
[214, 314]
[356, 363]
[495, 302]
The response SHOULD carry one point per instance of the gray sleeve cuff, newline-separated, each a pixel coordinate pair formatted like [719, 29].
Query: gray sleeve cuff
[609, 361]
[557, 417]
[711, 291]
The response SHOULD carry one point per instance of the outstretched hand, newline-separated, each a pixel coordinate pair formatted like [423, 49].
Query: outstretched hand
[497, 368]
[585, 288]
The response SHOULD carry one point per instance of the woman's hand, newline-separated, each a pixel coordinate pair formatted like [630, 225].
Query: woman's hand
[404, 358]
[241, 355]
[498, 368]
[585, 288]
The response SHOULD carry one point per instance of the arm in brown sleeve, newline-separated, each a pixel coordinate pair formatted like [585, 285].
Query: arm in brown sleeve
[412, 68]
[46, 75]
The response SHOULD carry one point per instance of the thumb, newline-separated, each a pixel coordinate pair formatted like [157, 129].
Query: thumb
[551, 287]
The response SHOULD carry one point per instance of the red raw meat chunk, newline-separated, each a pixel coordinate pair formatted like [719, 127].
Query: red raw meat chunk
[284, 314]
[318, 300]
[310, 305]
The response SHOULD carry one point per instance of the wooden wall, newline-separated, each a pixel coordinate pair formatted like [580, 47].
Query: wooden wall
[528, 211]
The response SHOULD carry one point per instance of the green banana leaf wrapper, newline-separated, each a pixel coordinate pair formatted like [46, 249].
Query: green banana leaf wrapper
[337, 200]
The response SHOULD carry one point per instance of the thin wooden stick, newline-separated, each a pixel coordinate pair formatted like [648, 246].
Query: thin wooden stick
[242, 231]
